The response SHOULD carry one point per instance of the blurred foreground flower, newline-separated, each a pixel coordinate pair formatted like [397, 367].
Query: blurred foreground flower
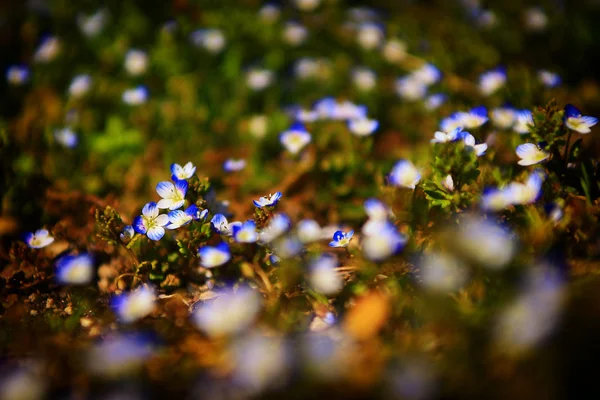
[231, 312]
[75, 269]
[118, 356]
[135, 305]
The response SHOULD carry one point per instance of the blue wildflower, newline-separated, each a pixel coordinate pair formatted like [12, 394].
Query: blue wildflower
[136, 96]
[245, 233]
[173, 194]
[128, 233]
[214, 256]
[268, 201]
[41, 238]
[434, 101]
[295, 138]
[222, 226]
[278, 225]
[549, 79]
[523, 120]
[341, 239]
[179, 218]
[577, 122]
[66, 137]
[150, 223]
[179, 173]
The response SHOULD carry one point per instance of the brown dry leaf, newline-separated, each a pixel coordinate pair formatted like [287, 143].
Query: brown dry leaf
[368, 316]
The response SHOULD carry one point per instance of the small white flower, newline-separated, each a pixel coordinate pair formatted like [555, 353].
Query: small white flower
[364, 79]
[75, 270]
[258, 126]
[410, 88]
[308, 231]
[531, 154]
[48, 50]
[442, 272]
[17, 75]
[214, 256]
[394, 50]
[491, 81]
[523, 119]
[369, 35]
[504, 117]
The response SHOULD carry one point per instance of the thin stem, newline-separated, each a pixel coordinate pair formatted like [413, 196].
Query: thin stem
[567, 148]
[263, 276]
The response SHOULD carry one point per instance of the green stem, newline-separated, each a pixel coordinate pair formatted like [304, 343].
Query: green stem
[567, 148]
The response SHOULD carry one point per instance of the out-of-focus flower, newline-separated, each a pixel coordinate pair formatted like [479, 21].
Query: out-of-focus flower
[294, 33]
[473, 119]
[212, 40]
[428, 74]
[179, 218]
[491, 81]
[394, 50]
[341, 239]
[411, 89]
[173, 194]
[484, 242]
[319, 324]
[222, 226]
[531, 154]
[92, 25]
[136, 62]
[231, 312]
[41, 238]
[66, 137]
[534, 313]
[307, 5]
[234, 165]
[404, 174]
[150, 223]
[127, 234]
[326, 355]
[17, 75]
[442, 272]
[245, 233]
[268, 201]
[48, 50]
[260, 362]
[494, 199]
[269, 13]
[523, 119]
[214, 256]
[364, 79]
[323, 277]
[259, 79]
[447, 136]
[80, 85]
[278, 225]
[434, 101]
[258, 126]
[135, 96]
[287, 247]
[448, 183]
[369, 35]
[308, 230]
[117, 356]
[469, 141]
[376, 209]
[363, 126]
[414, 380]
[75, 269]
[536, 19]
[549, 79]
[182, 173]
[383, 243]
[22, 384]
[577, 122]
[503, 117]
[295, 138]
[525, 193]
[135, 305]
